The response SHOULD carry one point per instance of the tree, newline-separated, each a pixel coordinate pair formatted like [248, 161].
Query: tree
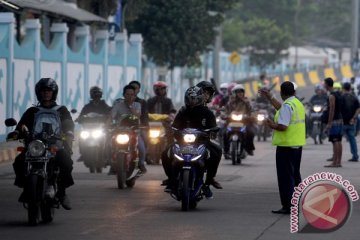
[102, 8]
[266, 41]
[176, 32]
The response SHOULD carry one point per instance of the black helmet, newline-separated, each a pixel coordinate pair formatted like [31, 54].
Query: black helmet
[46, 83]
[95, 91]
[207, 86]
[193, 96]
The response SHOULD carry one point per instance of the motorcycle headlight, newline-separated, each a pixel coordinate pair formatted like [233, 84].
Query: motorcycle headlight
[84, 134]
[97, 133]
[260, 117]
[236, 117]
[154, 133]
[317, 108]
[189, 138]
[36, 148]
[122, 138]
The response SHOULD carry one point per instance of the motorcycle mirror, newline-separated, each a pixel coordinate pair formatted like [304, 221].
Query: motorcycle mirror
[10, 122]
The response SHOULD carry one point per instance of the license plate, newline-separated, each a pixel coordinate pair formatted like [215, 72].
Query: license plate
[236, 124]
[188, 150]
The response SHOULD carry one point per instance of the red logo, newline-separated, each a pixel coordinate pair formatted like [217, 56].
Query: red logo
[326, 206]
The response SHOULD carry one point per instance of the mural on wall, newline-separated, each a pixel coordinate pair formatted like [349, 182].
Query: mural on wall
[24, 87]
[52, 70]
[95, 76]
[75, 86]
[115, 84]
[3, 77]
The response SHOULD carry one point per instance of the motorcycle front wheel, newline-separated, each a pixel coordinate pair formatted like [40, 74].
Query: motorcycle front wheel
[185, 194]
[121, 170]
[33, 204]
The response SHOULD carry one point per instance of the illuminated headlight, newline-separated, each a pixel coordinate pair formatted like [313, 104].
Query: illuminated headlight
[84, 134]
[317, 108]
[97, 133]
[189, 138]
[236, 117]
[122, 138]
[196, 158]
[260, 117]
[178, 157]
[36, 148]
[154, 133]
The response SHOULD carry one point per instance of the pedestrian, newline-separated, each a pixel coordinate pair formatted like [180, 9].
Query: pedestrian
[350, 111]
[288, 137]
[334, 121]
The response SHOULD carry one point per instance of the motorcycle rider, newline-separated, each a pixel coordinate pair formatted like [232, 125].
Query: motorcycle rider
[160, 103]
[195, 115]
[320, 96]
[219, 100]
[144, 121]
[46, 90]
[96, 104]
[238, 102]
[122, 108]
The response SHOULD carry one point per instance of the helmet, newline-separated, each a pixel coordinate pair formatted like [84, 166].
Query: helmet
[95, 91]
[46, 83]
[159, 85]
[318, 87]
[193, 96]
[237, 87]
[337, 86]
[224, 85]
[207, 86]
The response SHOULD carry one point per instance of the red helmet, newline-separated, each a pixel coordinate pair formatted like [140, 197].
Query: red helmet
[159, 85]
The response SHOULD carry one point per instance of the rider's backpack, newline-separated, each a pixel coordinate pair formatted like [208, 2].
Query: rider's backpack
[47, 120]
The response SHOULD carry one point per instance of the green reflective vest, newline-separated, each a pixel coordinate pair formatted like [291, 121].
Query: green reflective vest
[294, 135]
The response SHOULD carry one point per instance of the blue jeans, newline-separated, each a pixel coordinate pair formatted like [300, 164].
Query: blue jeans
[142, 149]
[349, 132]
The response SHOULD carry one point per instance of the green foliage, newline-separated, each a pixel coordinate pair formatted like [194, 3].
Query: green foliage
[322, 23]
[176, 32]
[265, 41]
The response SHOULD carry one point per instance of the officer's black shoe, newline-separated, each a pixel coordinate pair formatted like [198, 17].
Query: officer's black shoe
[282, 211]
[207, 191]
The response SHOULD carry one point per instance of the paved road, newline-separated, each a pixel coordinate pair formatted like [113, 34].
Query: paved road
[240, 211]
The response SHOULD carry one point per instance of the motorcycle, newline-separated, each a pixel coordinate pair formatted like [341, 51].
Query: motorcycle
[40, 148]
[92, 141]
[189, 152]
[236, 130]
[124, 151]
[221, 123]
[315, 125]
[157, 137]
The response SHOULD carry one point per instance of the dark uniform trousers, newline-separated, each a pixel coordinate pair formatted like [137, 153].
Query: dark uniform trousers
[288, 172]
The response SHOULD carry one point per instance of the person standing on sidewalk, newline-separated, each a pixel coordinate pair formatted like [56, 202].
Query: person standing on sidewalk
[288, 137]
[334, 121]
[350, 111]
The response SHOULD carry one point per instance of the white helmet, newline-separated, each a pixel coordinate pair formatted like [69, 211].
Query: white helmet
[224, 85]
[237, 87]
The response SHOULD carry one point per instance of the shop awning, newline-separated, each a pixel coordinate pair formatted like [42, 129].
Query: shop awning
[57, 7]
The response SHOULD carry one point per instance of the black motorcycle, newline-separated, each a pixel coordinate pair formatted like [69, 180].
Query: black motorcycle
[40, 148]
[315, 125]
[92, 141]
[189, 153]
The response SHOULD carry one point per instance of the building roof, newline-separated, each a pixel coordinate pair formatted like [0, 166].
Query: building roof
[58, 7]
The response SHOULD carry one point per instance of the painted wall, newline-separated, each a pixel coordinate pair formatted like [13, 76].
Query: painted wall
[75, 70]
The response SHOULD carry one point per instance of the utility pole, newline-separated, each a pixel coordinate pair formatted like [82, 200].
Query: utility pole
[355, 32]
[216, 55]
